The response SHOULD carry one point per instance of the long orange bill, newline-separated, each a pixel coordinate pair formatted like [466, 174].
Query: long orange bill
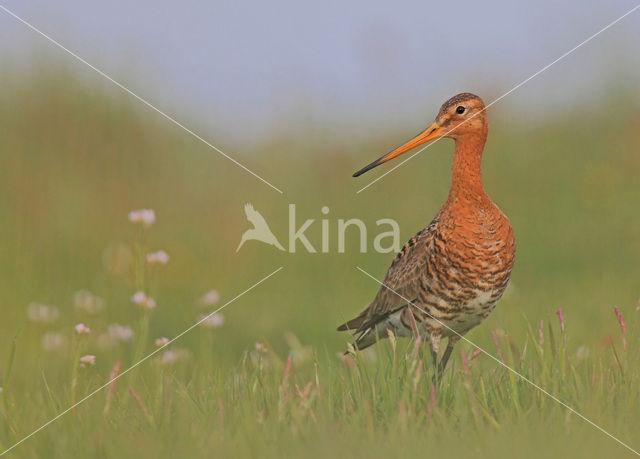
[432, 132]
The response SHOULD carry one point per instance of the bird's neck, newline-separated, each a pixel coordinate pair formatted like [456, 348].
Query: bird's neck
[466, 177]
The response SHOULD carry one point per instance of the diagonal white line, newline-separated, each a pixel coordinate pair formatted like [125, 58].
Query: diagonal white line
[506, 94]
[144, 101]
[178, 336]
[524, 378]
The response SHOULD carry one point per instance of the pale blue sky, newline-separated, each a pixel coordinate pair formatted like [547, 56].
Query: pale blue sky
[247, 66]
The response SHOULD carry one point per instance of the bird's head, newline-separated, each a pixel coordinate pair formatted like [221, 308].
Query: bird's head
[463, 114]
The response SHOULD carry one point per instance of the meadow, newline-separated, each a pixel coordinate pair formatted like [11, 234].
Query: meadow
[266, 376]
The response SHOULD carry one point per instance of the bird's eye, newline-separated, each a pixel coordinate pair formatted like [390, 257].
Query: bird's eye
[460, 110]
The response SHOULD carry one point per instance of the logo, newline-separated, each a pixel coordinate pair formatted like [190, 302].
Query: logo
[260, 231]
[384, 241]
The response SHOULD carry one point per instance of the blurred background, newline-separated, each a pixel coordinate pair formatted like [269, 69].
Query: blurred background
[305, 94]
[242, 70]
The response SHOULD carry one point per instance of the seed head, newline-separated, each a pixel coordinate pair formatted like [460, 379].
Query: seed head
[561, 318]
[623, 326]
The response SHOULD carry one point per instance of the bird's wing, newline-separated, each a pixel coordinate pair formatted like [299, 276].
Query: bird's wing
[402, 282]
[254, 216]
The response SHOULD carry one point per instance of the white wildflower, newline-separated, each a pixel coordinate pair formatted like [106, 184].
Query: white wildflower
[88, 360]
[142, 300]
[115, 335]
[209, 299]
[211, 321]
[138, 298]
[88, 302]
[146, 217]
[43, 313]
[82, 329]
[120, 332]
[53, 341]
[158, 258]
[162, 341]
[171, 356]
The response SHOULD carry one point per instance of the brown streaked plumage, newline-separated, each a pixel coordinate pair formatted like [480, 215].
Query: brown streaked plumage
[457, 268]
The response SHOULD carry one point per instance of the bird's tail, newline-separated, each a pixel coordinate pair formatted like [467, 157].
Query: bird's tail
[365, 334]
[367, 329]
[367, 338]
[354, 324]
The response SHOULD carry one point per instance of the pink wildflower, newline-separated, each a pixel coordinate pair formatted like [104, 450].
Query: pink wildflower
[561, 317]
[623, 326]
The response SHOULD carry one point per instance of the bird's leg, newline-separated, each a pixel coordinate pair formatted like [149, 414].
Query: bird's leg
[447, 353]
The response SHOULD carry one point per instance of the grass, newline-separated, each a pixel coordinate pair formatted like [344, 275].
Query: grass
[271, 381]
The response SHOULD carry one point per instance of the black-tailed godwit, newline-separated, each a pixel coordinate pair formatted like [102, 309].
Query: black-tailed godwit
[454, 271]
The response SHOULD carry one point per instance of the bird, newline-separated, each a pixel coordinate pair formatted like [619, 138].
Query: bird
[260, 230]
[448, 277]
